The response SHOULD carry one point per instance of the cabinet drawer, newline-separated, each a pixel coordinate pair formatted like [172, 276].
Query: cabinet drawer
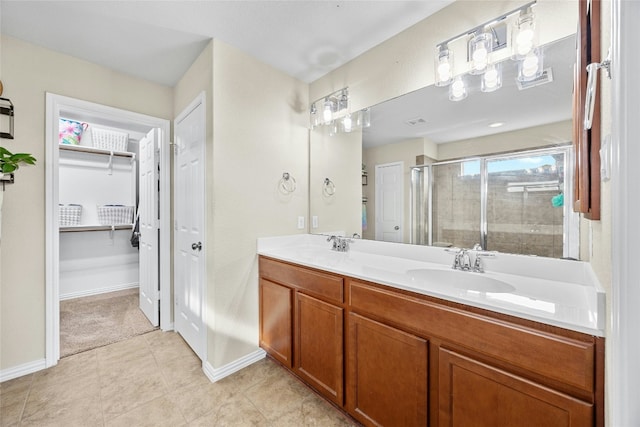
[563, 360]
[326, 286]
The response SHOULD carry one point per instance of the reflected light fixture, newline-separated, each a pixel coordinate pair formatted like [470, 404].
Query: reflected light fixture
[492, 78]
[333, 111]
[327, 110]
[457, 90]
[480, 46]
[347, 123]
[443, 65]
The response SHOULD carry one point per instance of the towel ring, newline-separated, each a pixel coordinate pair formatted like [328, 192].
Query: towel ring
[328, 187]
[287, 183]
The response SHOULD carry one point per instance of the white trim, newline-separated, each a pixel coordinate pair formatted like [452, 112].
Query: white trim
[378, 201]
[623, 345]
[98, 291]
[21, 370]
[217, 374]
[55, 104]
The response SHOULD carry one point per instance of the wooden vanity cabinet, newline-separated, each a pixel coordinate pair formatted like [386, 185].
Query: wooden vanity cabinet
[415, 360]
[309, 314]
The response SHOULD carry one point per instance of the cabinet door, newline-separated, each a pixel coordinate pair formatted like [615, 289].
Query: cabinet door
[387, 375]
[472, 393]
[276, 320]
[319, 346]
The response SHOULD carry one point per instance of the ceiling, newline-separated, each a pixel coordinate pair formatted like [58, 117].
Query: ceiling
[159, 40]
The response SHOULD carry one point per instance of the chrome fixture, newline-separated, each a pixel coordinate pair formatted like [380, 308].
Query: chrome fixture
[592, 80]
[339, 244]
[485, 46]
[287, 183]
[462, 258]
[328, 188]
[334, 111]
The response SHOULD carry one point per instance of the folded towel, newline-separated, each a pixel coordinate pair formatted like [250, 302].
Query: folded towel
[364, 216]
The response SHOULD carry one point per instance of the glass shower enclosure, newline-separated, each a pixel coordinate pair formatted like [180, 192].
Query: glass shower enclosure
[515, 203]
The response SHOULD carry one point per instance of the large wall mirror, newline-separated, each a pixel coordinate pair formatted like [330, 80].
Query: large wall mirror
[495, 168]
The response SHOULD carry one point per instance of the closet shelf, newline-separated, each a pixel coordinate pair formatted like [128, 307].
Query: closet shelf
[84, 149]
[75, 228]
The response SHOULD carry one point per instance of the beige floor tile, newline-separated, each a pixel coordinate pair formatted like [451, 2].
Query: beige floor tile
[197, 400]
[67, 412]
[235, 412]
[254, 374]
[274, 396]
[183, 371]
[156, 413]
[167, 345]
[123, 395]
[13, 396]
[123, 352]
[312, 412]
[54, 397]
[70, 369]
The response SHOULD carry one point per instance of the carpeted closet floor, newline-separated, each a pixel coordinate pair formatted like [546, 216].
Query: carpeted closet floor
[90, 322]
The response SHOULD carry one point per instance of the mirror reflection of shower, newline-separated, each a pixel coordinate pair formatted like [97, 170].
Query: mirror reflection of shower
[515, 203]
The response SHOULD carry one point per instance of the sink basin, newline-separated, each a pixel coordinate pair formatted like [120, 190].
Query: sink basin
[461, 280]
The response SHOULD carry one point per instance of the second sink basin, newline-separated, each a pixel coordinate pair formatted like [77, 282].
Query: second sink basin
[461, 280]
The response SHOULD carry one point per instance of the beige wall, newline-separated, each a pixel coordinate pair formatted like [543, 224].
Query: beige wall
[28, 72]
[260, 130]
[338, 158]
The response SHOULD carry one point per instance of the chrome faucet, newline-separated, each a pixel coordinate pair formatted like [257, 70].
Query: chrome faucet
[340, 244]
[462, 258]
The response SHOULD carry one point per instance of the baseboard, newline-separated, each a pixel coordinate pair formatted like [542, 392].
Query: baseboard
[98, 291]
[21, 370]
[216, 374]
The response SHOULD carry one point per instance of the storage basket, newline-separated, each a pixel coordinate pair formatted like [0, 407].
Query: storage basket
[109, 139]
[115, 214]
[69, 214]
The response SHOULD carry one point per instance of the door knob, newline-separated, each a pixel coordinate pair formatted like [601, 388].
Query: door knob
[396, 228]
[197, 246]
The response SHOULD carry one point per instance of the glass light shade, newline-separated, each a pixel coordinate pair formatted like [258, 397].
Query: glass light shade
[492, 78]
[347, 123]
[443, 65]
[480, 46]
[363, 120]
[315, 116]
[327, 110]
[530, 68]
[333, 128]
[343, 103]
[457, 90]
[524, 35]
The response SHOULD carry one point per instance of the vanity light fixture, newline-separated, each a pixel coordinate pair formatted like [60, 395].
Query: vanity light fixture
[336, 113]
[486, 43]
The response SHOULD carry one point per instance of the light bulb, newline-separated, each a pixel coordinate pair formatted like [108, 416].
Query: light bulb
[347, 122]
[491, 79]
[530, 67]
[479, 48]
[327, 112]
[457, 90]
[523, 39]
[443, 65]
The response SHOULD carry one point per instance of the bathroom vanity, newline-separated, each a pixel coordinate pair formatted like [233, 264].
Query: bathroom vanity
[394, 337]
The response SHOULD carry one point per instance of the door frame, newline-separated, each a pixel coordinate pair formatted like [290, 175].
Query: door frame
[55, 104]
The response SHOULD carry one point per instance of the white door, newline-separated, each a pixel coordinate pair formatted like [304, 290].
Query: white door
[148, 226]
[189, 209]
[389, 202]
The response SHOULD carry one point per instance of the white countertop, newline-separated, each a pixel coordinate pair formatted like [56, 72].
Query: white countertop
[557, 292]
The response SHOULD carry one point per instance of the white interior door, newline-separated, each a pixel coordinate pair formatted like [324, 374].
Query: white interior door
[149, 226]
[189, 209]
[389, 202]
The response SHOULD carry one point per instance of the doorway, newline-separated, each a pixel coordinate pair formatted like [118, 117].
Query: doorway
[389, 211]
[116, 163]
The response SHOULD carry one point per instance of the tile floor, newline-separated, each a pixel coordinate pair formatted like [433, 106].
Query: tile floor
[155, 380]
